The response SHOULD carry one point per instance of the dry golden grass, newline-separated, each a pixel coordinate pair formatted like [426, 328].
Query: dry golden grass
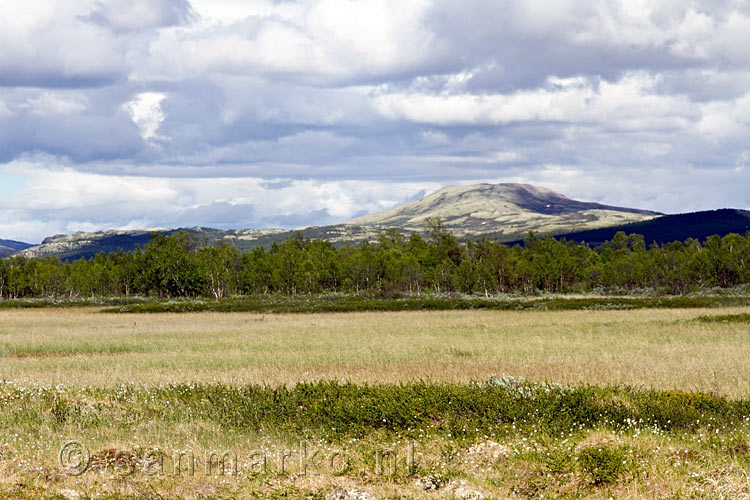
[662, 349]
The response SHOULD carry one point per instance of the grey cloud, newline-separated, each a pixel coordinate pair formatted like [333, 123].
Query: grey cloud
[136, 15]
[224, 215]
[516, 45]
[705, 86]
[93, 127]
[20, 75]
[220, 215]
[319, 217]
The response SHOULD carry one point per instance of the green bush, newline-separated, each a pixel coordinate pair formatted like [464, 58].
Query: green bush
[603, 465]
[353, 303]
[725, 318]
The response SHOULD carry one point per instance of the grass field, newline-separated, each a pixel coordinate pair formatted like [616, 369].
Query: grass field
[647, 403]
[664, 349]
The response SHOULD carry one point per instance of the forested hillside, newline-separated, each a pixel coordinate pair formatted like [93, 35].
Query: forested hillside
[177, 266]
[698, 225]
[8, 247]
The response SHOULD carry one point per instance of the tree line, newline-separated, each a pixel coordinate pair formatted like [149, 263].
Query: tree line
[182, 266]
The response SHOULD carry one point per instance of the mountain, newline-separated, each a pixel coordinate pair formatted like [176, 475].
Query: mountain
[505, 210]
[502, 211]
[80, 244]
[678, 227]
[87, 245]
[8, 247]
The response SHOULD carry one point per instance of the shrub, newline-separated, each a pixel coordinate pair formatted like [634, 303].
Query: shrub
[603, 465]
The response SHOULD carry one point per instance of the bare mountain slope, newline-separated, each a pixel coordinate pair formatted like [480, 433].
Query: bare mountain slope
[502, 209]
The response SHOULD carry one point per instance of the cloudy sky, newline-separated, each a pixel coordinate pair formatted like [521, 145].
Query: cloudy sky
[282, 113]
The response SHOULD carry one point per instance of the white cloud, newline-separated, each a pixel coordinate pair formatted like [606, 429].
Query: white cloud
[627, 103]
[145, 110]
[46, 44]
[310, 41]
[29, 231]
[65, 188]
[666, 189]
[230, 11]
[726, 119]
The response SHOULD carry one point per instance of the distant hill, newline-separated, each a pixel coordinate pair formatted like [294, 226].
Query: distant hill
[8, 247]
[86, 245]
[505, 211]
[667, 228]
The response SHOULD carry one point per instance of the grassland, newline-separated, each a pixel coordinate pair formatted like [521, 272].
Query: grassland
[661, 349]
[646, 403]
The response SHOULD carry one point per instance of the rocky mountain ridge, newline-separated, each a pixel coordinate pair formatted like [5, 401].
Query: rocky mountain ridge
[501, 209]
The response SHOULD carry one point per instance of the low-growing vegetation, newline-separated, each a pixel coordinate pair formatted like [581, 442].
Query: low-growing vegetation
[281, 304]
[726, 318]
[362, 302]
[499, 438]
[337, 411]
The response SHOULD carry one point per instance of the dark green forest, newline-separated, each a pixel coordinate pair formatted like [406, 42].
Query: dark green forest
[181, 265]
[667, 228]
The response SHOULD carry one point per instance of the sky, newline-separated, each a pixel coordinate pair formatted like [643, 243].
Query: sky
[124, 114]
